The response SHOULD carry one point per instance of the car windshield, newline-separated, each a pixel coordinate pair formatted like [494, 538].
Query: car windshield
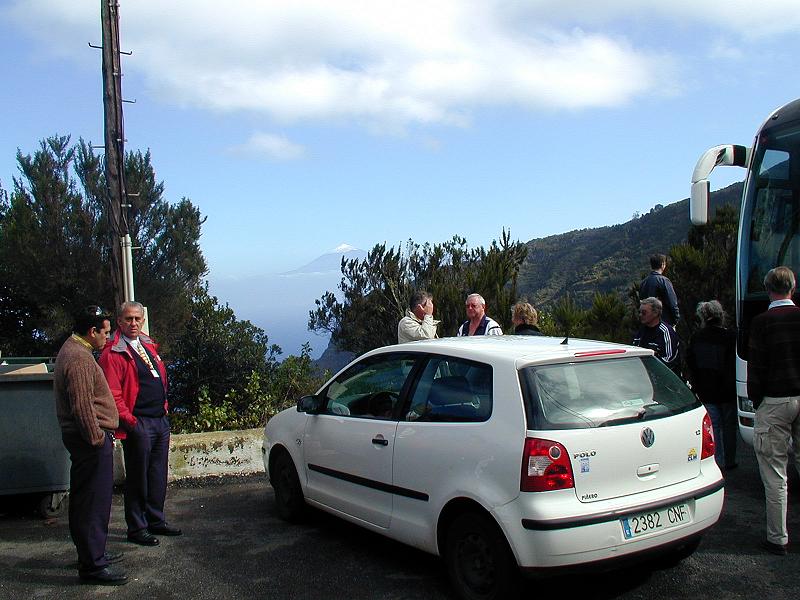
[602, 393]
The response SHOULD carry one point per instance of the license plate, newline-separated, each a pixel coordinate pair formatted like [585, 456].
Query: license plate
[655, 520]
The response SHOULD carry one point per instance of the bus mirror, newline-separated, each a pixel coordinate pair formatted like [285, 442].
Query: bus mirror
[698, 203]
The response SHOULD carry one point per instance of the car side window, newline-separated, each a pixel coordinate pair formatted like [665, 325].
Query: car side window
[369, 389]
[452, 390]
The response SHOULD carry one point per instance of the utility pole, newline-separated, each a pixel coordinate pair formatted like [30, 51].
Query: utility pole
[121, 262]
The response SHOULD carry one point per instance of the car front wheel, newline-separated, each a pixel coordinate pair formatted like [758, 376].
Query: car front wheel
[479, 562]
[288, 493]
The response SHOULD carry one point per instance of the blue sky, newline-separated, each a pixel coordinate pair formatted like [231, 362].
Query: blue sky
[298, 125]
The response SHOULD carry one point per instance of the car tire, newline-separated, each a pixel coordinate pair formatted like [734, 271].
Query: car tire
[289, 499]
[479, 562]
[680, 554]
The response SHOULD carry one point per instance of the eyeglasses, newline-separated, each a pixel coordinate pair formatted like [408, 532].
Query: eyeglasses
[94, 311]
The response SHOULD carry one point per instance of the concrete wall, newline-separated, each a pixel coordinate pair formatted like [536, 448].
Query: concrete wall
[207, 454]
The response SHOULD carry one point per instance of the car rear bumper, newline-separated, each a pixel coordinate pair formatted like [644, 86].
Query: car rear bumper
[616, 562]
[590, 537]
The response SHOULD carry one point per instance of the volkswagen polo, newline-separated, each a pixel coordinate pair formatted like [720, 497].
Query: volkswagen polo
[504, 454]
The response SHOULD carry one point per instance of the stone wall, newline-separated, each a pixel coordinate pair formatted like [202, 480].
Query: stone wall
[207, 454]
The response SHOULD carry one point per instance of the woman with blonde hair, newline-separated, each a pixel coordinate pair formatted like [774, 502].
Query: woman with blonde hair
[525, 319]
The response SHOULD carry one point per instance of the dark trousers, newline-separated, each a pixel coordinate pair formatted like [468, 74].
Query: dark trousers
[146, 451]
[91, 486]
[730, 432]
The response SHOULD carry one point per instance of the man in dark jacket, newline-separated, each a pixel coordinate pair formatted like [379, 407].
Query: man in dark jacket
[657, 335]
[773, 384]
[657, 285]
[478, 322]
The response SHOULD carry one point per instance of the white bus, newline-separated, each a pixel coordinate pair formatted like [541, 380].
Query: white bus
[769, 223]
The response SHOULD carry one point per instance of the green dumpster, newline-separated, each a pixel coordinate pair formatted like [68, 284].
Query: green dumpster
[33, 460]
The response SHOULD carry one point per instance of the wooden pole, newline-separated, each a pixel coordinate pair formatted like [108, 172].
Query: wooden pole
[114, 146]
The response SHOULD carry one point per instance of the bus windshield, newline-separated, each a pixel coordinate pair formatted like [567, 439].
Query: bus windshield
[770, 225]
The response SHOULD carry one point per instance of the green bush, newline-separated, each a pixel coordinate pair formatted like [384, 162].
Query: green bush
[250, 405]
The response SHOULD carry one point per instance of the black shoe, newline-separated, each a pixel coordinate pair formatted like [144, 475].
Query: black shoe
[776, 549]
[113, 557]
[105, 576]
[143, 538]
[164, 530]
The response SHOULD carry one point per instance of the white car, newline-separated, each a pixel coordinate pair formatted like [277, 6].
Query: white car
[504, 453]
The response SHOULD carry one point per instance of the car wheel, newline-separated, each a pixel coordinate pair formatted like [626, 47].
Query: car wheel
[479, 562]
[288, 493]
[51, 506]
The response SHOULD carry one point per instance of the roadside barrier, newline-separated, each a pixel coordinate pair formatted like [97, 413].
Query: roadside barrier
[210, 454]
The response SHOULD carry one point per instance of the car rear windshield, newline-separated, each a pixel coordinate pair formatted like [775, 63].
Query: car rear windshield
[602, 393]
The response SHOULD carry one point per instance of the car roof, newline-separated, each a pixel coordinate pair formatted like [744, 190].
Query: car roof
[519, 348]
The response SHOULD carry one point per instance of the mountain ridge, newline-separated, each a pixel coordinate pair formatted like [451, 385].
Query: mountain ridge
[609, 258]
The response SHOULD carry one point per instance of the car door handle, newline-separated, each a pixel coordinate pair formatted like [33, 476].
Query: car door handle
[380, 441]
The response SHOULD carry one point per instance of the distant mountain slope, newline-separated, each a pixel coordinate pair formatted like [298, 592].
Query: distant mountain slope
[602, 259]
[330, 261]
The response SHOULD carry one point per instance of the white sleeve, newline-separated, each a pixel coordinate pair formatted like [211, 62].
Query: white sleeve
[493, 328]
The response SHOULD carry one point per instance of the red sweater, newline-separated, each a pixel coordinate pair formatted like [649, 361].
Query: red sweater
[119, 367]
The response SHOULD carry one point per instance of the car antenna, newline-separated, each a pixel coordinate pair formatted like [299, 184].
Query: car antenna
[566, 341]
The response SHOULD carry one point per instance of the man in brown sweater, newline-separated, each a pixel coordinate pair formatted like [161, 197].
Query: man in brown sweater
[88, 416]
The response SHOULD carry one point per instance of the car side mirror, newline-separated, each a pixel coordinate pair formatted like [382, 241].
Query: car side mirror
[311, 405]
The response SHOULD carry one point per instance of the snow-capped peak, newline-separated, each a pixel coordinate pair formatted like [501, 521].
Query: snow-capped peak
[342, 249]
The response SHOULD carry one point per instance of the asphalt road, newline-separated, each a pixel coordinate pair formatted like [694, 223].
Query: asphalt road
[234, 546]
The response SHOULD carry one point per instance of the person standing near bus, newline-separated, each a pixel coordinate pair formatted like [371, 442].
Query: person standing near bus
[658, 285]
[773, 384]
[712, 370]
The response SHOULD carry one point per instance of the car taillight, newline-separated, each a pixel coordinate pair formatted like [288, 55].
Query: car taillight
[708, 438]
[545, 467]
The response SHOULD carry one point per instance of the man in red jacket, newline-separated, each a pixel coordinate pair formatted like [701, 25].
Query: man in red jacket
[138, 381]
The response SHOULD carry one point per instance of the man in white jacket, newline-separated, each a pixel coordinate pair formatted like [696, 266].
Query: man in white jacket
[418, 324]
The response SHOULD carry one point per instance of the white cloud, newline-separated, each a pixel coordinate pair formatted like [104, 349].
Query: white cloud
[724, 50]
[388, 65]
[743, 18]
[271, 146]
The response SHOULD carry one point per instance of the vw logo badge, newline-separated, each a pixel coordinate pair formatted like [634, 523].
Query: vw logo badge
[648, 437]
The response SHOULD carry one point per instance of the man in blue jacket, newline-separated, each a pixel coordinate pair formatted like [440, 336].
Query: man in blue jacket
[657, 285]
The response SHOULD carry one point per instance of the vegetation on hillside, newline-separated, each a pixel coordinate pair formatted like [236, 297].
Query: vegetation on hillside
[607, 259]
[588, 280]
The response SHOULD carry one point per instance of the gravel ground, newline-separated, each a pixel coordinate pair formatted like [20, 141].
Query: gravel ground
[235, 546]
